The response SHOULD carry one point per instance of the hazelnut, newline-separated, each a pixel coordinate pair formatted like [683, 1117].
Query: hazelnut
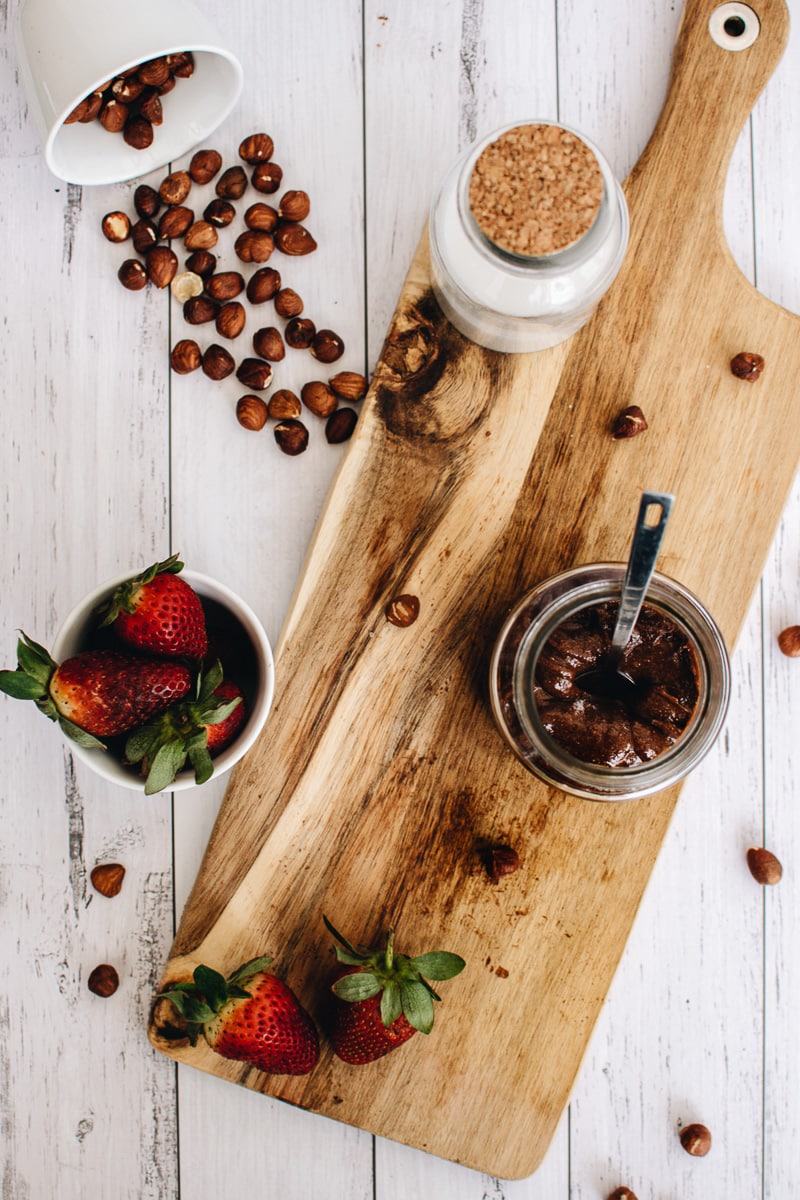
[288, 304]
[181, 64]
[103, 980]
[144, 235]
[155, 71]
[146, 200]
[747, 366]
[696, 1140]
[201, 236]
[113, 116]
[327, 346]
[202, 263]
[150, 106]
[176, 187]
[500, 861]
[789, 641]
[175, 221]
[232, 183]
[340, 425]
[161, 265]
[251, 412]
[78, 112]
[219, 212]
[185, 285]
[254, 246]
[116, 226]
[93, 105]
[629, 423]
[622, 1193]
[293, 238]
[266, 177]
[138, 133]
[126, 88]
[299, 333]
[185, 357]
[230, 319]
[166, 86]
[199, 310]
[204, 165]
[318, 398]
[294, 206]
[262, 217]
[225, 285]
[291, 436]
[402, 610]
[262, 285]
[254, 373]
[283, 404]
[132, 275]
[348, 385]
[764, 866]
[256, 148]
[268, 344]
[107, 878]
[218, 363]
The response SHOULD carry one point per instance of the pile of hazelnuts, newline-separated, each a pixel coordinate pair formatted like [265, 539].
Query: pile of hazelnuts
[209, 295]
[130, 103]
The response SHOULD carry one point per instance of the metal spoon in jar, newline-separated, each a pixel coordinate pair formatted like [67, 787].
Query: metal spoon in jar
[607, 679]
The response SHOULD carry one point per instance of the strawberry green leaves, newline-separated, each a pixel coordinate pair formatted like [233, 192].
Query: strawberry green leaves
[200, 999]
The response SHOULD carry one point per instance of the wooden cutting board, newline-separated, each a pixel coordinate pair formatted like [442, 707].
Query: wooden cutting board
[380, 774]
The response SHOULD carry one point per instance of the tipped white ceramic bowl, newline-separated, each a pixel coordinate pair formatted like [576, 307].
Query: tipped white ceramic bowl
[228, 616]
[69, 48]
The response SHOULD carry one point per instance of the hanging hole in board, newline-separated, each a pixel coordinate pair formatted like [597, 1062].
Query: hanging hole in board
[734, 26]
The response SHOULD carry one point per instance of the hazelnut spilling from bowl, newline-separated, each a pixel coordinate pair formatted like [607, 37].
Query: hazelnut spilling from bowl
[170, 674]
[131, 103]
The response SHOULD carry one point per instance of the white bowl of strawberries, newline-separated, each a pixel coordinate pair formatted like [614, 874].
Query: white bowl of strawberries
[158, 679]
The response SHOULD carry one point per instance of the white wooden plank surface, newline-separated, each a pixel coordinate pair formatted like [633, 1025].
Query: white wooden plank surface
[107, 461]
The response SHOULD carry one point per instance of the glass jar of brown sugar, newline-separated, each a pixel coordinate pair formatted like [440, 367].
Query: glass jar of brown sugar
[606, 745]
[527, 233]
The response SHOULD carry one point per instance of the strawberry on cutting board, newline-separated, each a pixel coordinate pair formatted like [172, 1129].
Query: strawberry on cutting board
[380, 999]
[97, 693]
[159, 613]
[251, 1017]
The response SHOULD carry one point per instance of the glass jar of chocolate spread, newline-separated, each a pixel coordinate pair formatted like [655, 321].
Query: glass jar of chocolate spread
[527, 233]
[609, 743]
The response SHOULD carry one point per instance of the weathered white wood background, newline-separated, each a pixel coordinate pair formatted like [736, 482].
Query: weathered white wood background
[109, 462]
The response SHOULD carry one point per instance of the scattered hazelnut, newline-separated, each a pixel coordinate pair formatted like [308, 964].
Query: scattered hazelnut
[696, 1140]
[251, 412]
[262, 285]
[150, 106]
[262, 217]
[116, 226]
[254, 246]
[132, 275]
[256, 148]
[113, 116]
[144, 235]
[219, 212]
[204, 165]
[266, 177]
[327, 346]
[747, 366]
[185, 357]
[629, 423]
[199, 310]
[340, 425]
[622, 1193]
[175, 221]
[107, 878]
[348, 385]
[789, 641]
[283, 404]
[155, 71]
[202, 263]
[161, 265]
[232, 184]
[138, 133]
[230, 319]
[201, 236]
[176, 187]
[402, 610]
[218, 363]
[185, 285]
[288, 304]
[764, 866]
[225, 285]
[103, 980]
[318, 398]
[291, 436]
[293, 238]
[254, 373]
[299, 333]
[268, 344]
[146, 200]
[294, 206]
[500, 861]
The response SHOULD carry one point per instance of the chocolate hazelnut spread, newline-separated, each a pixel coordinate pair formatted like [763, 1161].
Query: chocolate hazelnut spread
[614, 730]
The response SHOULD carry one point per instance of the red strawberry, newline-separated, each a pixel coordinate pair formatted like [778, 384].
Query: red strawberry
[95, 694]
[380, 999]
[196, 729]
[159, 613]
[263, 1024]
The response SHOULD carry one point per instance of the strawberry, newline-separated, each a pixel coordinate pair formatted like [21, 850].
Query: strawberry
[97, 693]
[195, 728]
[380, 998]
[159, 613]
[262, 1024]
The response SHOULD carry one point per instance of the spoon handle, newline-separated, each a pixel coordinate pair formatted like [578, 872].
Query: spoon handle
[647, 537]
